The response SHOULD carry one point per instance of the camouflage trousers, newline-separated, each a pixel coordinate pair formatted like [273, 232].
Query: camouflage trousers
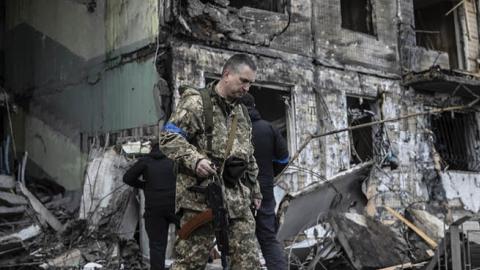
[192, 253]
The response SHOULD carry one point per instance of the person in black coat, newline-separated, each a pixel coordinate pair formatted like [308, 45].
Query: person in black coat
[159, 188]
[271, 153]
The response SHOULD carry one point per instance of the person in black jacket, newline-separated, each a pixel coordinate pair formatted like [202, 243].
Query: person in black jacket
[271, 153]
[159, 188]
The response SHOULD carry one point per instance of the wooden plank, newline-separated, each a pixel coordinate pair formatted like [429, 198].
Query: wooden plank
[403, 266]
[420, 233]
[42, 212]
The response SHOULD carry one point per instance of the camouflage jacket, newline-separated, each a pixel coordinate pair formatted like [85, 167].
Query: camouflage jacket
[183, 139]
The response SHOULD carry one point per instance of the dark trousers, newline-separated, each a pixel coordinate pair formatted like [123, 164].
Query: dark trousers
[266, 231]
[156, 225]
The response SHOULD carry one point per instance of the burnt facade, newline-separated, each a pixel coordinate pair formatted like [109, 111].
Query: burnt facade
[334, 68]
[322, 66]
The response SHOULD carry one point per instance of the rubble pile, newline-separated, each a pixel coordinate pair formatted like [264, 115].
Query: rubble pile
[45, 227]
[327, 226]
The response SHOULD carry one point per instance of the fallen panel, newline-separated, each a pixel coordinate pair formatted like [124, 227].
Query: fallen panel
[430, 224]
[10, 211]
[42, 212]
[305, 208]
[103, 185]
[12, 198]
[14, 241]
[368, 243]
[130, 218]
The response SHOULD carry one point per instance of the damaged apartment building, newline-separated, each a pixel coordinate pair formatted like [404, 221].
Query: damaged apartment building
[78, 77]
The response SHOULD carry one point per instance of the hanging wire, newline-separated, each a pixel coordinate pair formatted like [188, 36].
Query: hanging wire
[7, 104]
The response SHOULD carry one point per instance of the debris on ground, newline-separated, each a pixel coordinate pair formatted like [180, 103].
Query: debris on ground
[46, 227]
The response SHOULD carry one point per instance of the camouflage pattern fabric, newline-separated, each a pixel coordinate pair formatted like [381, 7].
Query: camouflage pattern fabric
[192, 253]
[184, 141]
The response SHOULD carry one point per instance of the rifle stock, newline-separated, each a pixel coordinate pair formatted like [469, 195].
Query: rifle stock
[217, 213]
[194, 223]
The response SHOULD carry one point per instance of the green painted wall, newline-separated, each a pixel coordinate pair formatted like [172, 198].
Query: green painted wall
[122, 98]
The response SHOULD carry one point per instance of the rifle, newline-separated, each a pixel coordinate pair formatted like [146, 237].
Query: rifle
[216, 212]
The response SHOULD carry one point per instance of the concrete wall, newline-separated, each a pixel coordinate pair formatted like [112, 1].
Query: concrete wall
[215, 23]
[82, 72]
[191, 63]
[57, 155]
[77, 71]
[461, 190]
[338, 46]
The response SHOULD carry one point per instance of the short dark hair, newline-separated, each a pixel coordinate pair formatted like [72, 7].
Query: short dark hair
[248, 100]
[234, 62]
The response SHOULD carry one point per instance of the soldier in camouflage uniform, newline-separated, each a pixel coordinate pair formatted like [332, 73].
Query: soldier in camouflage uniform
[184, 140]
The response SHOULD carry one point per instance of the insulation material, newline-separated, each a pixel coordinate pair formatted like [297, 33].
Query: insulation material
[103, 184]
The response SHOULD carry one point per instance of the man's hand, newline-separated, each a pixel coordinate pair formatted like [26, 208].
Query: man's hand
[204, 168]
[257, 203]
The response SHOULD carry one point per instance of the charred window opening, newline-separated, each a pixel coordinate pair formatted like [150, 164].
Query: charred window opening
[271, 105]
[357, 15]
[360, 111]
[434, 30]
[270, 5]
[456, 140]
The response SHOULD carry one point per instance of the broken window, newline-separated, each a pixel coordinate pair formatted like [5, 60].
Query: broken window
[434, 30]
[456, 140]
[360, 111]
[271, 5]
[357, 15]
[271, 104]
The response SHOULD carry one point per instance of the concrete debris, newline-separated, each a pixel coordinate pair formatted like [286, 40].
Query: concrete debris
[102, 234]
[323, 66]
[304, 209]
[6, 211]
[70, 259]
[323, 226]
[7, 182]
[92, 266]
[15, 241]
[466, 193]
[43, 214]
[25, 234]
[430, 224]
[103, 186]
[414, 228]
[11, 199]
[367, 243]
[130, 218]
[137, 147]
